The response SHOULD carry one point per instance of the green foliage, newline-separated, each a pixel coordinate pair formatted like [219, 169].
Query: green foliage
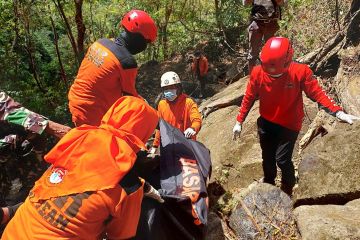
[29, 61]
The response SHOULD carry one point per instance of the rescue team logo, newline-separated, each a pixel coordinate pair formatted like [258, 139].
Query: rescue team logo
[96, 55]
[59, 211]
[191, 184]
[57, 175]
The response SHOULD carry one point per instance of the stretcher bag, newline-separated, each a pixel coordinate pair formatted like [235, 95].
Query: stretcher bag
[181, 177]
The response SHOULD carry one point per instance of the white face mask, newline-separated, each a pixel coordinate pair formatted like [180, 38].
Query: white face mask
[170, 94]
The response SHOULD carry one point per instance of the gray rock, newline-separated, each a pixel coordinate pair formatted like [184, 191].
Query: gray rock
[264, 213]
[329, 170]
[329, 221]
[215, 229]
[236, 163]
[347, 80]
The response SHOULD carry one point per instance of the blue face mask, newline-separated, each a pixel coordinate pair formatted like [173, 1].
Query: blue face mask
[170, 94]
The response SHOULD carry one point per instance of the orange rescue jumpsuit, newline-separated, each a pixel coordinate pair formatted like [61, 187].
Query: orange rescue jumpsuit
[81, 196]
[107, 72]
[181, 113]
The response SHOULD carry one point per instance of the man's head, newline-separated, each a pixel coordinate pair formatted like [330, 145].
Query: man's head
[197, 54]
[132, 115]
[140, 29]
[276, 56]
[171, 85]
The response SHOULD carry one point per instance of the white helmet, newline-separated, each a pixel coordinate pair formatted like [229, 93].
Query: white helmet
[170, 78]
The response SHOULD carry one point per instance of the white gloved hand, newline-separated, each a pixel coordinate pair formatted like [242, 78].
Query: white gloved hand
[237, 130]
[152, 150]
[154, 194]
[346, 117]
[189, 132]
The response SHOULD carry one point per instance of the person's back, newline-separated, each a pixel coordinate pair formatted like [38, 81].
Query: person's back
[263, 25]
[109, 70]
[77, 216]
[73, 199]
[265, 10]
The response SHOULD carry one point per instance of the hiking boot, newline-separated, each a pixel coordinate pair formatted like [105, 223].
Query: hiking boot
[287, 189]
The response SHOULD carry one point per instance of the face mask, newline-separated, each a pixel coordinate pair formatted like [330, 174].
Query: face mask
[134, 42]
[170, 94]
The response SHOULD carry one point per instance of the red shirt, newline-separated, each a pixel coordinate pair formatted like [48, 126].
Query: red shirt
[281, 99]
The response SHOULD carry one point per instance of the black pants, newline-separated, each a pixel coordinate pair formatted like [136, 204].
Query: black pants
[202, 80]
[277, 144]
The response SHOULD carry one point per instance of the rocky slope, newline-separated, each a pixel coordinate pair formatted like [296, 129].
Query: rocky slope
[325, 204]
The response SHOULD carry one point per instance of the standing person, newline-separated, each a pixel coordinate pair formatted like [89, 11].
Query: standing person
[200, 67]
[278, 84]
[177, 109]
[86, 192]
[109, 69]
[263, 25]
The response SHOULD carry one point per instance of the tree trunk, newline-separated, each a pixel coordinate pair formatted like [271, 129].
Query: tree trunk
[80, 28]
[68, 29]
[30, 48]
[61, 66]
[168, 12]
[16, 37]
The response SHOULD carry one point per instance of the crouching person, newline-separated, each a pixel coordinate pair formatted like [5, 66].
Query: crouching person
[90, 189]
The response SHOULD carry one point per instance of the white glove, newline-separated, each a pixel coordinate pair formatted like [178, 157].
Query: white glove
[236, 130]
[346, 117]
[189, 132]
[154, 194]
[152, 150]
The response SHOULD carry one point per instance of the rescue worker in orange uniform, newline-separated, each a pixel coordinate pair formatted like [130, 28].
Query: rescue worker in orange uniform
[87, 190]
[177, 109]
[278, 83]
[200, 67]
[109, 69]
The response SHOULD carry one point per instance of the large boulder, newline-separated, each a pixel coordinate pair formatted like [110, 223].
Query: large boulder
[329, 170]
[347, 81]
[265, 212]
[329, 221]
[231, 95]
[236, 163]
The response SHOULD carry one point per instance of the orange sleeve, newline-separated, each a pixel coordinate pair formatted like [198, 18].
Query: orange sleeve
[126, 218]
[204, 66]
[195, 116]
[156, 142]
[193, 66]
[128, 81]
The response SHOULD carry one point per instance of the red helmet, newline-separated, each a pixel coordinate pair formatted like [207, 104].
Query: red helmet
[137, 21]
[276, 55]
